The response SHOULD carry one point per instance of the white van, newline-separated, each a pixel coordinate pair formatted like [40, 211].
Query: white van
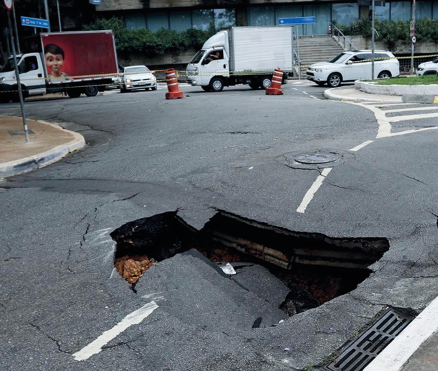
[352, 66]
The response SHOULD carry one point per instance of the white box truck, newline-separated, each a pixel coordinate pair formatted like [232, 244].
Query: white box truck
[70, 62]
[242, 55]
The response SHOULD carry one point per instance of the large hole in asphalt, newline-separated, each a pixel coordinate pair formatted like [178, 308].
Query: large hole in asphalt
[314, 267]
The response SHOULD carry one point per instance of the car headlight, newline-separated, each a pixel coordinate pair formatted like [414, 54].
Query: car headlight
[128, 81]
[419, 69]
[2, 79]
[318, 69]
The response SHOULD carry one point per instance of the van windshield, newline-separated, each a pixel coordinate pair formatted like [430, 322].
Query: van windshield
[341, 58]
[9, 65]
[198, 56]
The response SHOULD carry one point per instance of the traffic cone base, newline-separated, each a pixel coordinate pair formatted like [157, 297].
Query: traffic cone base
[172, 85]
[275, 88]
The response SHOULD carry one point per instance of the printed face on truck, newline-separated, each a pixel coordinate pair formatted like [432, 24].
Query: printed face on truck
[54, 59]
[55, 63]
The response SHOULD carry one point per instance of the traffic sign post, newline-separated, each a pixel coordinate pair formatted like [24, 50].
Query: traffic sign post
[17, 74]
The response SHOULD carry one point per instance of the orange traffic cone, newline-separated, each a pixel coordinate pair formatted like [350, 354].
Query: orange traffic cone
[172, 85]
[275, 88]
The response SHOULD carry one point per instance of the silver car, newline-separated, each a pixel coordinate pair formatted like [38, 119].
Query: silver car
[137, 77]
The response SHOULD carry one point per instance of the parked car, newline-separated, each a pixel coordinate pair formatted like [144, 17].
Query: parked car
[428, 68]
[354, 65]
[137, 77]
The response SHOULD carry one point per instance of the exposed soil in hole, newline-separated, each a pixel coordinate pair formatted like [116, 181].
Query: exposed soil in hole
[314, 267]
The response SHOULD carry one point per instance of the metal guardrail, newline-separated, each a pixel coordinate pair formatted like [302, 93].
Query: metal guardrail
[337, 34]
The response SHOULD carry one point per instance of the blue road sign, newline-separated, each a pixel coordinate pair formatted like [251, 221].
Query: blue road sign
[296, 20]
[35, 22]
[96, 2]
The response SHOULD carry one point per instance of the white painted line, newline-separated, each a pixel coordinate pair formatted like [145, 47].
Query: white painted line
[134, 318]
[313, 189]
[312, 96]
[411, 109]
[412, 117]
[360, 146]
[398, 352]
[412, 131]
[305, 93]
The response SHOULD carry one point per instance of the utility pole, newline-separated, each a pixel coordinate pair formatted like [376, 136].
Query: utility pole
[373, 7]
[46, 9]
[412, 34]
[59, 16]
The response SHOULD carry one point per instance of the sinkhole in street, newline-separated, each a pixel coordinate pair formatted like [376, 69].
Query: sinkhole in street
[315, 268]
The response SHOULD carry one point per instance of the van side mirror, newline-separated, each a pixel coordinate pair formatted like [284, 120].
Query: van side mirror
[349, 62]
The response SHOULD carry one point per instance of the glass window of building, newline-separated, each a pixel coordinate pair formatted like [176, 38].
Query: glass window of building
[261, 16]
[401, 11]
[382, 12]
[346, 13]
[180, 20]
[289, 11]
[157, 21]
[423, 9]
[202, 19]
[321, 12]
[135, 21]
[435, 10]
[224, 18]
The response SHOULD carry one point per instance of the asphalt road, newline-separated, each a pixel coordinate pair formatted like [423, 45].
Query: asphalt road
[64, 307]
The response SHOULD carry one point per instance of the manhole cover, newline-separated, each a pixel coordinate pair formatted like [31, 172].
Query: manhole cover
[317, 158]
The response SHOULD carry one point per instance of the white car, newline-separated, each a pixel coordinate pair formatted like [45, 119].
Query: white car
[137, 77]
[352, 66]
[428, 68]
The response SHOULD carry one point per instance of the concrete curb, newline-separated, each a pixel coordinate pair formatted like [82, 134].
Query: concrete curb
[398, 352]
[331, 94]
[42, 159]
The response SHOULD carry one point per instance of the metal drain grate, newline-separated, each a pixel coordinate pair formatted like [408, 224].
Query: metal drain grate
[367, 346]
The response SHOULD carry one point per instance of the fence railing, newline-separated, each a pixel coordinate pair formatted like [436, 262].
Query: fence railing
[342, 39]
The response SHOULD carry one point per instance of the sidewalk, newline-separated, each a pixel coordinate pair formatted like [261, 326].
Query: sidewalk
[47, 144]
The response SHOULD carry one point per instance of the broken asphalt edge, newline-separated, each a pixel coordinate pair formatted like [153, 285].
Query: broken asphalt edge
[45, 158]
[397, 354]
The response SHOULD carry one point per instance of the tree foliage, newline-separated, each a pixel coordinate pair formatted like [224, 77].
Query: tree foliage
[390, 32]
[148, 42]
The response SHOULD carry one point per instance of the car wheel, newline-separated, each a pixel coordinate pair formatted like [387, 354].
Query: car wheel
[206, 88]
[266, 82]
[334, 80]
[384, 75]
[430, 73]
[216, 84]
[91, 91]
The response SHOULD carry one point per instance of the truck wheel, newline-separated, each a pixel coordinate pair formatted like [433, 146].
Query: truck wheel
[74, 92]
[91, 91]
[216, 84]
[266, 82]
[334, 80]
[206, 88]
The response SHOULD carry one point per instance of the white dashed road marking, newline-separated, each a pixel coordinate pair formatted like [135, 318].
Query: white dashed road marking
[313, 189]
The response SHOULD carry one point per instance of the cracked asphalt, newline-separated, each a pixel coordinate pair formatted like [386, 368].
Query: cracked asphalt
[230, 151]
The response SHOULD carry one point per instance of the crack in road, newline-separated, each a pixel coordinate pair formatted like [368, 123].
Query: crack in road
[57, 342]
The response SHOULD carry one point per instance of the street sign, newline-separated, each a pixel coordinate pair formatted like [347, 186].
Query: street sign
[9, 4]
[34, 22]
[414, 39]
[96, 2]
[412, 28]
[296, 20]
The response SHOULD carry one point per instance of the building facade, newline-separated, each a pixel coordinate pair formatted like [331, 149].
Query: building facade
[201, 14]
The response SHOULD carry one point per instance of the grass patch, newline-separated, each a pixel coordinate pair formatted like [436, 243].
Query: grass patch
[417, 80]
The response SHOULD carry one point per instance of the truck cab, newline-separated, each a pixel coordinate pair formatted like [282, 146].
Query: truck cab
[32, 75]
[209, 68]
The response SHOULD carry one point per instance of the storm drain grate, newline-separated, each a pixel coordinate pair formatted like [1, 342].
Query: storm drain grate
[367, 346]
